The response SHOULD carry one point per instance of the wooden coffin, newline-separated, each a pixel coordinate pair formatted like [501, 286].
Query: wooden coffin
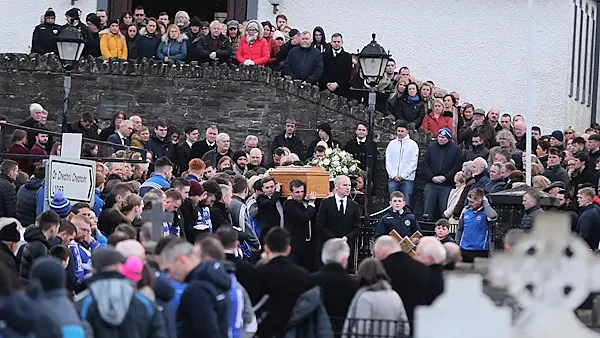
[315, 178]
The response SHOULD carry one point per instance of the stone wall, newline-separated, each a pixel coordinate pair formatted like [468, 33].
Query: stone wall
[240, 100]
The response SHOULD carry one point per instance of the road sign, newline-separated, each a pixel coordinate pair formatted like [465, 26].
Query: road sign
[74, 177]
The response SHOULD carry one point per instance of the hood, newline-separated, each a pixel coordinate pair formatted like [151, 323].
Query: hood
[163, 289]
[181, 38]
[212, 271]
[113, 294]
[319, 29]
[408, 210]
[34, 233]
[107, 31]
[308, 302]
[261, 30]
[34, 183]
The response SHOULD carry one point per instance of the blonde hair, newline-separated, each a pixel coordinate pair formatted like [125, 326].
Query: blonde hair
[540, 182]
[459, 178]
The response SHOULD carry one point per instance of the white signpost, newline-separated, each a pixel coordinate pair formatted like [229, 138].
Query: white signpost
[76, 179]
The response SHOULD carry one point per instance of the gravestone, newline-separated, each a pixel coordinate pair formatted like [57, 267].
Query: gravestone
[550, 271]
[462, 311]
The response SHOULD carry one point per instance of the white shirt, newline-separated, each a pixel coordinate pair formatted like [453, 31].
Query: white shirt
[359, 141]
[122, 138]
[401, 158]
[189, 143]
[337, 202]
[210, 144]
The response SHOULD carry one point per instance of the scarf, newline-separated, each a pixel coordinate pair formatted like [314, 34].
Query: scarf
[251, 38]
[413, 98]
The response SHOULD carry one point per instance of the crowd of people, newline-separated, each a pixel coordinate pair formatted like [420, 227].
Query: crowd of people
[228, 238]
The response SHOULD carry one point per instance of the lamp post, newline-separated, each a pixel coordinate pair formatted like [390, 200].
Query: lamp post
[70, 44]
[275, 4]
[372, 61]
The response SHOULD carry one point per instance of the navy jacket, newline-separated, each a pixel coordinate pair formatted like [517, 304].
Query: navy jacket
[304, 64]
[147, 45]
[404, 223]
[160, 148]
[443, 160]
[204, 307]
[588, 226]
[26, 201]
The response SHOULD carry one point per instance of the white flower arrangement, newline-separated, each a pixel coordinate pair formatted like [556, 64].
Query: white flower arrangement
[338, 162]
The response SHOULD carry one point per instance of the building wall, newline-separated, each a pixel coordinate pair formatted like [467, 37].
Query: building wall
[475, 47]
[21, 17]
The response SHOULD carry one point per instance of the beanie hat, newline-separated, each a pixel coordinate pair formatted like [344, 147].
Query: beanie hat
[50, 272]
[60, 204]
[557, 134]
[113, 21]
[196, 22]
[232, 24]
[253, 24]
[105, 257]
[196, 188]
[73, 13]
[324, 126]
[10, 229]
[278, 35]
[50, 13]
[132, 268]
[94, 19]
[236, 156]
[447, 133]
[479, 112]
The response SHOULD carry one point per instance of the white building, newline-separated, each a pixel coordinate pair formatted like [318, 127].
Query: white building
[477, 48]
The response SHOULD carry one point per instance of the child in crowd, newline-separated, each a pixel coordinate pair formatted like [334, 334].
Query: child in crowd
[442, 231]
[62, 253]
[399, 218]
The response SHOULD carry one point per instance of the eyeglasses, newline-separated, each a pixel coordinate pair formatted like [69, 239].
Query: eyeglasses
[140, 15]
[569, 133]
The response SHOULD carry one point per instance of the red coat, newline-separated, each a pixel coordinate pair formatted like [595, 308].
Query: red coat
[430, 124]
[19, 149]
[258, 52]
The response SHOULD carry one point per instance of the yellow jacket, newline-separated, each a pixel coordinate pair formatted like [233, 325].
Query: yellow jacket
[112, 45]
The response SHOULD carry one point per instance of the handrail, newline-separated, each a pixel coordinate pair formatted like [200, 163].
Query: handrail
[97, 159]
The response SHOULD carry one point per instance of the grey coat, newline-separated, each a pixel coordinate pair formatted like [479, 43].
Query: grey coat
[377, 311]
[527, 221]
[309, 318]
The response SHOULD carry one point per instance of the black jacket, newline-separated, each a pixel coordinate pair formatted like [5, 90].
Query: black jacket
[413, 291]
[329, 223]
[11, 263]
[204, 307]
[404, 110]
[93, 45]
[304, 64]
[284, 282]
[442, 160]
[76, 127]
[132, 47]
[336, 69]
[44, 38]
[116, 139]
[474, 152]
[202, 46]
[200, 148]
[268, 215]
[26, 201]
[147, 44]
[37, 246]
[529, 216]
[587, 225]
[294, 144]
[8, 197]
[557, 173]
[586, 176]
[331, 143]
[297, 218]
[86, 33]
[160, 148]
[219, 216]
[309, 318]
[30, 122]
[245, 273]
[114, 309]
[359, 151]
[338, 290]
[182, 157]
[212, 157]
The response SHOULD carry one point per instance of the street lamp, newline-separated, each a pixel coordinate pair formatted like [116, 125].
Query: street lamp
[372, 60]
[70, 45]
[275, 4]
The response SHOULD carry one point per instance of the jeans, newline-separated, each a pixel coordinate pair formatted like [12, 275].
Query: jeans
[436, 200]
[404, 186]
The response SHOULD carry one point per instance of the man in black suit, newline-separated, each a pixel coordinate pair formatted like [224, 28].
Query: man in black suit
[324, 130]
[338, 286]
[209, 143]
[183, 151]
[339, 216]
[282, 280]
[244, 271]
[298, 218]
[270, 210]
[123, 135]
[409, 278]
[358, 148]
[337, 66]
[289, 139]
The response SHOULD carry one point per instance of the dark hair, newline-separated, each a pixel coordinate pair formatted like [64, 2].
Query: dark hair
[282, 17]
[579, 140]
[60, 251]
[397, 194]
[48, 219]
[164, 242]
[116, 237]
[279, 151]
[140, 8]
[127, 229]
[114, 117]
[213, 188]
[18, 135]
[451, 96]
[442, 222]
[210, 246]
[555, 152]
[126, 13]
[536, 128]
[266, 180]
[121, 188]
[370, 271]
[222, 177]
[174, 194]
[189, 129]
[278, 240]
[67, 227]
[339, 35]
[476, 193]
[239, 184]
[8, 166]
[510, 166]
[78, 206]
[582, 156]
[109, 219]
[160, 123]
[267, 23]
[319, 149]
[534, 193]
[179, 183]
[86, 149]
[248, 174]
[405, 94]
[297, 184]
[163, 13]
[505, 153]
[544, 144]
[161, 163]
[227, 235]
[506, 115]
[257, 186]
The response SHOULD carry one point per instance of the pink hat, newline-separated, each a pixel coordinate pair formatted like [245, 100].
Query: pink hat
[132, 268]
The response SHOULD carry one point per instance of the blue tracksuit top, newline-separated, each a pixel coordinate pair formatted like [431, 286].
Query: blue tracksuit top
[476, 228]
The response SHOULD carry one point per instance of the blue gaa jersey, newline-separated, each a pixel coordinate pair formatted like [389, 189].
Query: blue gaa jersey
[203, 222]
[86, 260]
[77, 262]
[476, 228]
[170, 230]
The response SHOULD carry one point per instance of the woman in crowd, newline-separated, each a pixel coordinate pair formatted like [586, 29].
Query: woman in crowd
[466, 116]
[132, 208]
[112, 42]
[131, 38]
[436, 119]
[139, 140]
[393, 103]
[89, 150]
[148, 40]
[410, 108]
[253, 48]
[453, 198]
[224, 164]
[115, 122]
[376, 309]
[19, 146]
[569, 133]
[449, 105]
[126, 21]
[173, 46]
[426, 96]
[56, 147]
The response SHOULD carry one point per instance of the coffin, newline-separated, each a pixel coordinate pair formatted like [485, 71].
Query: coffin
[315, 178]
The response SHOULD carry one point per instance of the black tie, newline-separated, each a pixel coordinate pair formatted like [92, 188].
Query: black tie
[341, 211]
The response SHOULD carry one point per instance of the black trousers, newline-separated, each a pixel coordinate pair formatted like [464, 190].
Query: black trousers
[470, 255]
